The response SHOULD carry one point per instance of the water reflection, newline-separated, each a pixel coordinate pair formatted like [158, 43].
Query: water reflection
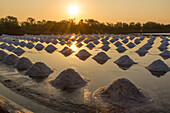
[73, 46]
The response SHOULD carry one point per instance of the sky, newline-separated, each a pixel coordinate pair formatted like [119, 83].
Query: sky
[102, 10]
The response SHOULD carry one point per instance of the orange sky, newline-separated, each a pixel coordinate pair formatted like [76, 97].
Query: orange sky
[101, 10]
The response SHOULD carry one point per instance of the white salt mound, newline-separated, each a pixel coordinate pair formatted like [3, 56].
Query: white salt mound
[39, 47]
[10, 59]
[39, 69]
[158, 66]
[122, 93]
[50, 48]
[19, 51]
[124, 61]
[69, 79]
[83, 54]
[23, 64]
[2, 55]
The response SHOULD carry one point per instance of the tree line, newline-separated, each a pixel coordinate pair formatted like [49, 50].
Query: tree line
[10, 25]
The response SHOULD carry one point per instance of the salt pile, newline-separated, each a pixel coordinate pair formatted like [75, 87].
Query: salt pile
[122, 93]
[147, 46]
[10, 48]
[23, 64]
[66, 51]
[165, 54]
[69, 79]
[10, 59]
[121, 49]
[83, 54]
[130, 45]
[124, 62]
[50, 48]
[62, 42]
[86, 41]
[22, 44]
[105, 47]
[54, 41]
[142, 51]
[39, 47]
[125, 41]
[16, 42]
[162, 47]
[79, 45]
[90, 46]
[117, 44]
[30, 45]
[137, 41]
[96, 42]
[19, 51]
[101, 58]
[2, 46]
[2, 55]
[39, 69]
[158, 66]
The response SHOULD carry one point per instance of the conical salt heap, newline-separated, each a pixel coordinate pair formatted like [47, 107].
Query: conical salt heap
[22, 44]
[69, 79]
[137, 41]
[30, 45]
[83, 54]
[142, 51]
[2, 55]
[158, 66]
[130, 45]
[96, 42]
[23, 64]
[101, 58]
[10, 48]
[162, 47]
[117, 44]
[122, 93]
[16, 42]
[10, 59]
[121, 49]
[86, 41]
[39, 47]
[90, 46]
[66, 51]
[54, 41]
[165, 54]
[105, 47]
[125, 41]
[124, 62]
[50, 48]
[39, 69]
[2, 46]
[19, 51]
[79, 45]
[147, 46]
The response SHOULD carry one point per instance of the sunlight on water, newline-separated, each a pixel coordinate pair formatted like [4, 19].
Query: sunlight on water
[73, 46]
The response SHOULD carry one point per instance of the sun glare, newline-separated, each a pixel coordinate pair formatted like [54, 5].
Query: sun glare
[73, 10]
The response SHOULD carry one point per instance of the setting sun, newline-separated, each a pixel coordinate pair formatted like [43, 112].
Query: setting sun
[73, 10]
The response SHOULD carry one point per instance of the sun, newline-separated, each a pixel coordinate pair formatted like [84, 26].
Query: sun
[73, 10]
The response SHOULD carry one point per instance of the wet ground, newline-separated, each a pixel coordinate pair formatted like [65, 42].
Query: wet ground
[80, 100]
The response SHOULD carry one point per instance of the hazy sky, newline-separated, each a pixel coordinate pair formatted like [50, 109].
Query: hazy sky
[102, 10]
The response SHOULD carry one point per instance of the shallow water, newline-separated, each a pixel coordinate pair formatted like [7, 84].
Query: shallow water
[99, 75]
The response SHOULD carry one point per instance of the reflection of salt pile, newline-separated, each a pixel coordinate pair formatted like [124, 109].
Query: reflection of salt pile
[83, 54]
[10, 59]
[66, 51]
[121, 49]
[165, 54]
[122, 93]
[39, 47]
[124, 61]
[69, 79]
[39, 69]
[23, 64]
[50, 48]
[101, 58]
[19, 51]
[2, 55]
[142, 51]
[158, 66]
[30, 45]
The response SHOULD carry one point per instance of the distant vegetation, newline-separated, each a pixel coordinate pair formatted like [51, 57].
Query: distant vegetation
[10, 25]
